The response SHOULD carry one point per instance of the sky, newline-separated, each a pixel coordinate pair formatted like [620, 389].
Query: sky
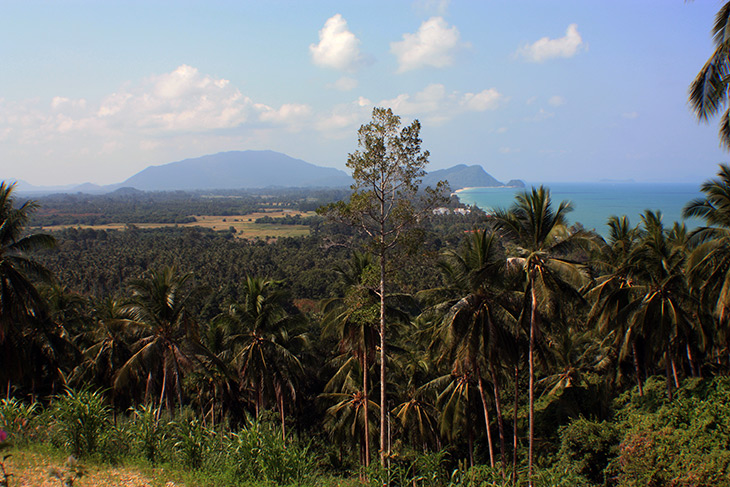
[540, 90]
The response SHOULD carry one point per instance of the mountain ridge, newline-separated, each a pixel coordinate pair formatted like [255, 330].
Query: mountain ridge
[258, 169]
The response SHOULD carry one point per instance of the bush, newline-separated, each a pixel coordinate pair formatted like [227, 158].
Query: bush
[17, 419]
[588, 447]
[80, 421]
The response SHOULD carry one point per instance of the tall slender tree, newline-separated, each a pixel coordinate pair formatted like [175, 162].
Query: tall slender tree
[481, 326]
[387, 170]
[543, 244]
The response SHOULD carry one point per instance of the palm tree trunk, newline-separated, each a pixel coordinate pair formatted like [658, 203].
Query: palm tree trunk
[500, 420]
[637, 369]
[668, 367]
[531, 362]
[486, 420]
[514, 426]
[674, 372]
[366, 409]
[483, 396]
[163, 390]
[281, 413]
[696, 371]
[257, 402]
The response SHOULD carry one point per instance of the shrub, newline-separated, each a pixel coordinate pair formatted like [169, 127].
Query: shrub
[17, 419]
[588, 447]
[80, 419]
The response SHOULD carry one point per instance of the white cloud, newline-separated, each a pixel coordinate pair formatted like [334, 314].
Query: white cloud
[173, 114]
[556, 101]
[630, 115]
[345, 84]
[434, 45]
[482, 101]
[546, 48]
[343, 119]
[292, 114]
[436, 105]
[338, 48]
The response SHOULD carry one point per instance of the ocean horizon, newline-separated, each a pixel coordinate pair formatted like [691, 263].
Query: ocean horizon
[594, 203]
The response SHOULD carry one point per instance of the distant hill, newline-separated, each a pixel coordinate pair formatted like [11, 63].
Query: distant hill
[256, 170]
[236, 170]
[463, 176]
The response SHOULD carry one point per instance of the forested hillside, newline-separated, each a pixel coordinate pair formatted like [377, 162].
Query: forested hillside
[192, 323]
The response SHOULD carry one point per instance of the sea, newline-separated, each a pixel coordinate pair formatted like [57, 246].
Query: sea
[594, 203]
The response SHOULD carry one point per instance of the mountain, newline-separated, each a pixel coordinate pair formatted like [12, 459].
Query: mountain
[256, 170]
[463, 176]
[235, 170]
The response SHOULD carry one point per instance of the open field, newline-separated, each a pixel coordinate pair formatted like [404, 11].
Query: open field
[244, 225]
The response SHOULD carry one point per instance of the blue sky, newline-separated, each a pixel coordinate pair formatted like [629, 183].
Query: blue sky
[542, 90]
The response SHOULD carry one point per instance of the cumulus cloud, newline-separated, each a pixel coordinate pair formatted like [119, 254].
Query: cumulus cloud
[180, 112]
[433, 45]
[544, 49]
[338, 48]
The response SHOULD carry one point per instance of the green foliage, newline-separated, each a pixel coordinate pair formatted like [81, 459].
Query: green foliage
[257, 453]
[683, 442]
[147, 432]
[191, 440]
[17, 419]
[587, 447]
[81, 421]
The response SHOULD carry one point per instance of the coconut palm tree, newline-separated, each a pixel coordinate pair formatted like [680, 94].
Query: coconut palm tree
[169, 345]
[708, 93]
[22, 310]
[612, 290]
[708, 266]
[265, 336]
[659, 312]
[480, 327]
[542, 248]
[354, 320]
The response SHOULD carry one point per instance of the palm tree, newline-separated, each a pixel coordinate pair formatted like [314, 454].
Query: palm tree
[354, 320]
[169, 346]
[708, 92]
[480, 327]
[264, 337]
[708, 266]
[613, 290]
[456, 394]
[542, 247]
[659, 311]
[106, 346]
[22, 309]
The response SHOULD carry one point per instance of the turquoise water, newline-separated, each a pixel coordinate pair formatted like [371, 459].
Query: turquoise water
[593, 203]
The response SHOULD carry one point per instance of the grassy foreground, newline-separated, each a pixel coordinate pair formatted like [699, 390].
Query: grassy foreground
[46, 467]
